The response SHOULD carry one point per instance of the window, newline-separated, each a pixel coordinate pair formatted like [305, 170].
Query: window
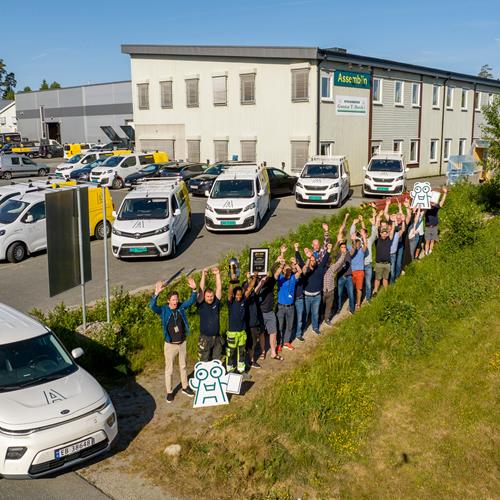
[433, 150]
[375, 148]
[129, 162]
[220, 90]
[377, 91]
[300, 85]
[3, 120]
[477, 101]
[166, 95]
[413, 151]
[27, 161]
[247, 88]
[37, 211]
[398, 93]
[449, 97]
[447, 147]
[220, 150]
[435, 96]
[300, 154]
[490, 99]
[15, 160]
[326, 148]
[397, 146]
[461, 146]
[249, 151]
[193, 150]
[175, 205]
[415, 94]
[463, 100]
[326, 86]
[192, 100]
[143, 95]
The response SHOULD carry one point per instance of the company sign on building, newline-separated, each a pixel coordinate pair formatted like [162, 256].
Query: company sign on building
[352, 79]
[350, 105]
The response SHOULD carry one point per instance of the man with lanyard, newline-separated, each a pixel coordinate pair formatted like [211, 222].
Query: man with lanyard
[316, 250]
[208, 304]
[175, 330]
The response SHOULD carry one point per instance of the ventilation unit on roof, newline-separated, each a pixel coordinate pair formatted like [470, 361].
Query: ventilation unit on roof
[341, 50]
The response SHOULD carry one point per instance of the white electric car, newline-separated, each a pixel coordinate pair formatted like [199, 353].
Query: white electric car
[385, 174]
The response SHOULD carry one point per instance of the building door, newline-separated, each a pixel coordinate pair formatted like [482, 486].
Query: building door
[166, 145]
[54, 131]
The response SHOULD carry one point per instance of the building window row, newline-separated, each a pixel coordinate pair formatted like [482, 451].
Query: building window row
[221, 150]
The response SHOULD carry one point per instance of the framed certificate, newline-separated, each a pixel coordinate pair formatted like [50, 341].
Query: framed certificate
[259, 261]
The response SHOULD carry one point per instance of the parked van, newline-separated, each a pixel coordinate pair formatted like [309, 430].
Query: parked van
[63, 170]
[29, 148]
[71, 150]
[152, 219]
[53, 414]
[385, 174]
[114, 170]
[239, 199]
[22, 220]
[15, 165]
[324, 180]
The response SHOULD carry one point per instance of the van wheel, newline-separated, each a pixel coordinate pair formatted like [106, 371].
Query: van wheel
[7, 176]
[42, 172]
[49, 155]
[30, 155]
[173, 249]
[99, 230]
[117, 183]
[16, 252]
[257, 225]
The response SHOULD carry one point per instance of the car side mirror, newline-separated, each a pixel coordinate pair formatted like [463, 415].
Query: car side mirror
[29, 219]
[344, 176]
[407, 169]
[207, 193]
[262, 192]
[364, 168]
[177, 212]
[114, 214]
[78, 352]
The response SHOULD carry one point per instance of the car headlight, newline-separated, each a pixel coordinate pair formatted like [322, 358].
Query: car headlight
[249, 207]
[334, 185]
[2, 232]
[163, 229]
[209, 208]
[300, 185]
[400, 178]
[115, 231]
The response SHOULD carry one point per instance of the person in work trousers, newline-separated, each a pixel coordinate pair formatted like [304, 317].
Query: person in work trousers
[175, 331]
[236, 335]
[208, 304]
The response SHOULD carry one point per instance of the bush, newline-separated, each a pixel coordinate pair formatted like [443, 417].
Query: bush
[488, 194]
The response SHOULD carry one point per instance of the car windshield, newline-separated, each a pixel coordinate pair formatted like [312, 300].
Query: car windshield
[149, 169]
[10, 210]
[144, 208]
[215, 170]
[385, 166]
[74, 159]
[32, 362]
[112, 161]
[233, 188]
[328, 171]
[172, 170]
[95, 163]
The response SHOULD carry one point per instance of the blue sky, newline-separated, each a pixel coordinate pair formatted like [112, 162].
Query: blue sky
[79, 43]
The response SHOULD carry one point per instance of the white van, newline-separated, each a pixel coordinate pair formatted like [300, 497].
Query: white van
[63, 170]
[385, 174]
[53, 414]
[152, 219]
[324, 180]
[239, 199]
[114, 170]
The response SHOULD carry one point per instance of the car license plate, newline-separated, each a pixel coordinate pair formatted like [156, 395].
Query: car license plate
[382, 189]
[228, 222]
[139, 250]
[74, 448]
[58, 175]
[315, 197]
[95, 181]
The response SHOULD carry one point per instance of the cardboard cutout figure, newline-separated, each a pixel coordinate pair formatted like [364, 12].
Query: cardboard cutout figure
[421, 195]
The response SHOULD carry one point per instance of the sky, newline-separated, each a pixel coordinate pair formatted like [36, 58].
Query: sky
[78, 43]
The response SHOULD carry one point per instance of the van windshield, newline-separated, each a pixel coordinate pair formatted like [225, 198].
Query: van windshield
[144, 208]
[10, 210]
[75, 159]
[328, 171]
[32, 362]
[112, 161]
[385, 166]
[233, 188]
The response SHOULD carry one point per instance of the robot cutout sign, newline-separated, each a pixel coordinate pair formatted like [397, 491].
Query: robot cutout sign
[421, 195]
[212, 384]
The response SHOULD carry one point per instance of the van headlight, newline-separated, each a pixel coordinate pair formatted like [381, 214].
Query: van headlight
[115, 231]
[209, 208]
[400, 178]
[249, 207]
[334, 185]
[2, 232]
[109, 171]
[300, 185]
[163, 229]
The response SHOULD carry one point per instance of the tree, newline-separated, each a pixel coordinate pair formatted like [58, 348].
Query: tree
[55, 85]
[491, 130]
[7, 82]
[27, 89]
[485, 71]
[44, 85]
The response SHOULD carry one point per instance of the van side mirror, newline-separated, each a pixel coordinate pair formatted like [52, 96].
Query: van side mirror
[262, 192]
[364, 168]
[177, 212]
[114, 214]
[407, 169]
[78, 352]
[207, 193]
[29, 219]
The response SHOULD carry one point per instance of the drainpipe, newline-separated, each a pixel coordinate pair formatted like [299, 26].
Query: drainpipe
[318, 103]
[445, 83]
[473, 115]
[370, 118]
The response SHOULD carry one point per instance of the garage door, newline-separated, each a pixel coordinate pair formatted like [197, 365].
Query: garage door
[159, 145]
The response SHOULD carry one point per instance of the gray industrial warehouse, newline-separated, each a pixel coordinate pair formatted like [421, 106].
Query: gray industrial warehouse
[74, 114]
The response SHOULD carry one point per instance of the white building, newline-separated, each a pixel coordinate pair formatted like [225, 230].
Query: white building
[283, 104]
[8, 122]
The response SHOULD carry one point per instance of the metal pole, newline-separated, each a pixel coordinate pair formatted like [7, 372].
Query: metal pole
[106, 264]
[80, 247]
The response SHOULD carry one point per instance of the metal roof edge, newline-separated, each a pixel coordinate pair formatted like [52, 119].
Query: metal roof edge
[76, 86]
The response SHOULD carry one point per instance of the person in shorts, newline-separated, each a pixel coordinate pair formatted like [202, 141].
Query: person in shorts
[431, 231]
[383, 257]
[358, 251]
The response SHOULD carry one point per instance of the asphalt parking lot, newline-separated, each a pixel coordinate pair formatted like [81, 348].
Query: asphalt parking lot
[199, 248]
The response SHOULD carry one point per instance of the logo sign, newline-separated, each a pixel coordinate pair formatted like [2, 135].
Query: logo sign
[348, 105]
[421, 196]
[351, 79]
[212, 384]
[53, 396]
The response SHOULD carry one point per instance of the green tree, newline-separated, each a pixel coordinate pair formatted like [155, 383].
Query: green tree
[7, 82]
[55, 85]
[44, 85]
[485, 71]
[491, 131]
[27, 89]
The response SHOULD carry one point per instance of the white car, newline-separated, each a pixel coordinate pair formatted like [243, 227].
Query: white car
[152, 220]
[385, 174]
[63, 170]
[239, 200]
[53, 414]
[324, 180]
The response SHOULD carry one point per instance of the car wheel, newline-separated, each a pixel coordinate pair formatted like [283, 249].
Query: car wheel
[99, 230]
[117, 183]
[49, 155]
[173, 250]
[30, 155]
[42, 172]
[7, 175]
[16, 252]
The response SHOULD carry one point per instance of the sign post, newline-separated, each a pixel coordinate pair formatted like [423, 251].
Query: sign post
[106, 264]
[80, 248]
